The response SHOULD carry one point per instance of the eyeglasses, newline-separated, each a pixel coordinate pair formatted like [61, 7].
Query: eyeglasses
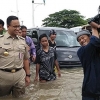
[15, 26]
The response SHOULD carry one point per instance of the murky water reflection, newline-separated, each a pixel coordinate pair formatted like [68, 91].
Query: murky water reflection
[68, 87]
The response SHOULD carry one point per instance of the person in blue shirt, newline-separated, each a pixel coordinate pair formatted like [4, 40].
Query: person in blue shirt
[89, 55]
[29, 42]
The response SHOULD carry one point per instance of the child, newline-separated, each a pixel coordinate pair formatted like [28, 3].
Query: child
[45, 61]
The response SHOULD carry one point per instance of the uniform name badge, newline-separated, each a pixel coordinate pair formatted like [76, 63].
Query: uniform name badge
[20, 55]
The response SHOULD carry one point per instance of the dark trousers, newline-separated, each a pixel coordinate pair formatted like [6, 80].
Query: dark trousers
[88, 98]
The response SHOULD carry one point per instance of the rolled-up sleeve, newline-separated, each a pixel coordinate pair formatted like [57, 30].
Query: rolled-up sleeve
[26, 54]
[32, 47]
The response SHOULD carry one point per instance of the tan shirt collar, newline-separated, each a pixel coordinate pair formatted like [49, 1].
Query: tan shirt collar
[7, 35]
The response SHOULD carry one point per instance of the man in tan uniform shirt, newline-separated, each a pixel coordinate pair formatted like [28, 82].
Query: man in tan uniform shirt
[13, 56]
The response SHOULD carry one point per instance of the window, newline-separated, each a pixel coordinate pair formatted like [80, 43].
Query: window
[63, 38]
[66, 38]
[35, 35]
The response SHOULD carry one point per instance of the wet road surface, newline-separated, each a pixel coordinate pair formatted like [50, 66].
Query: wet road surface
[67, 87]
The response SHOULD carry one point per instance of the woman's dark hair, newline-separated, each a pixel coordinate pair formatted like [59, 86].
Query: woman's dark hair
[10, 18]
[42, 36]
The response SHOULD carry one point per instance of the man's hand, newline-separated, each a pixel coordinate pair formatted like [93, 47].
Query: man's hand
[27, 81]
[33, 58]
[36, 79]
[59, 74]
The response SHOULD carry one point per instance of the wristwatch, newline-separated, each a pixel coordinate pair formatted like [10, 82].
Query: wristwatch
[28, 75]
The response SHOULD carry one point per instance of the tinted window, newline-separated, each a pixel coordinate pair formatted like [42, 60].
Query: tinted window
[64, 38]
[29, 33]
[44, 31]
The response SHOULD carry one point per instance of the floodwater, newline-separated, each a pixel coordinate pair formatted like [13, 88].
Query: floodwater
[67, 87]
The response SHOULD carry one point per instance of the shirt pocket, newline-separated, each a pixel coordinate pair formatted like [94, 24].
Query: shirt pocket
[22, 48]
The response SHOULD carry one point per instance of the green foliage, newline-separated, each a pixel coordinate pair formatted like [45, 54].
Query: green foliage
[65, 18]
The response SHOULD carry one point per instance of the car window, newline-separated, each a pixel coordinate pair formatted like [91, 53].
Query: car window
[63, 38]
[29, 33]
[34, 34]
[44, 32]
[66, 38]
